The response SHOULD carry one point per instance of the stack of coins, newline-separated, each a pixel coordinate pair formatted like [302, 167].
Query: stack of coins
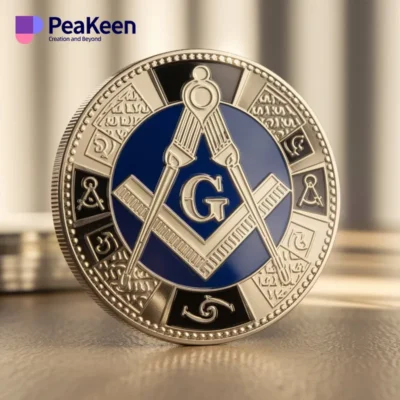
[30, 258]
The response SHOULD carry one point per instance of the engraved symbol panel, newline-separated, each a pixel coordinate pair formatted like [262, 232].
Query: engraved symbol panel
[297, 146]
[102, 148]
[299, 239]
[310, 191]
[172, 78]
[90, 194]
[270, 283]
[121, 115]
[207, 311]
[310, 194]
[275, 113]
[142, 284]
[90, 198]
[103, 241]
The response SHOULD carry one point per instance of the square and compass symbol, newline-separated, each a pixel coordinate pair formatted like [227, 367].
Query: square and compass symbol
[148, 187]
[203, 256]
[197, 196]
[89, 196]
[310, 191]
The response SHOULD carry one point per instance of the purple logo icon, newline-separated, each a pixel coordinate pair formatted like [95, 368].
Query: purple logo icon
[26, 27]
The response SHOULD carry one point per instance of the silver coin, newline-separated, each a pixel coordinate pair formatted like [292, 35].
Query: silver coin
[196, 196]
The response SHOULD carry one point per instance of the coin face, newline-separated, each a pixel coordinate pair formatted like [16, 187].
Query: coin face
[196, 196]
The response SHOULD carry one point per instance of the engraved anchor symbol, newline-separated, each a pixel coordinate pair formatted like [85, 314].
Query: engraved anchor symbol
[207, 310]
[310, 195]
[90, 198]
[106, 244]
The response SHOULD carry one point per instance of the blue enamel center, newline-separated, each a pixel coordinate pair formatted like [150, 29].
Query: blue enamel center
[142, 156]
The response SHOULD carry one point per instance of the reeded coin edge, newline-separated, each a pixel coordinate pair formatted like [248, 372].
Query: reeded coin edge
[64, 162]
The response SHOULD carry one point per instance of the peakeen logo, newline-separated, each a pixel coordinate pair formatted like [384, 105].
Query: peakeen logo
[26, 27]
[71, 31]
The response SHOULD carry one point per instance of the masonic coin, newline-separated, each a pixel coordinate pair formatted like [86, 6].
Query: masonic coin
[196, 196]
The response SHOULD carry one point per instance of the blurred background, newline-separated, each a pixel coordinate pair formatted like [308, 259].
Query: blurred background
[342, 56]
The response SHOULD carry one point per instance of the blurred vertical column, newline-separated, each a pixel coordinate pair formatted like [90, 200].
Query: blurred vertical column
[386, 140]
[18, 158]
[360, 113]
[273, 30]
[68, 73]
[44, 82]
[227, 25]
[160, 26]
[316, 68]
